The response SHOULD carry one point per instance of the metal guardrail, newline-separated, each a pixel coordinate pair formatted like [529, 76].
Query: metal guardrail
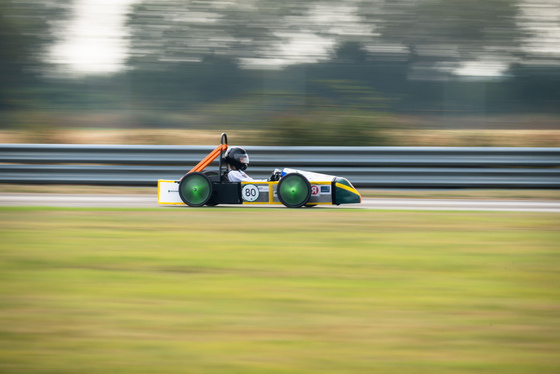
[369, 167]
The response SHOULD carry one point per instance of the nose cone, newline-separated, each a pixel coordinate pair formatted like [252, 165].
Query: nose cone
[345, 193]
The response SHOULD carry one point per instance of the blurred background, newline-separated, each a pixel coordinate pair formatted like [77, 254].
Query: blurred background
[290, 291]
[354, 72]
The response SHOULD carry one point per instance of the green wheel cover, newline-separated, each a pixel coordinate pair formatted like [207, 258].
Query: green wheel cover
[195, 189]
[294, 190]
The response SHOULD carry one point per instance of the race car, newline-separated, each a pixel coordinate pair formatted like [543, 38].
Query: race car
[291, 187]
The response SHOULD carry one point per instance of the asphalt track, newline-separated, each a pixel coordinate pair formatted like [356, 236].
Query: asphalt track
[147, 201]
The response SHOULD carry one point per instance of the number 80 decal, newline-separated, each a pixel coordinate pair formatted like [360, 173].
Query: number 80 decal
[249, 192]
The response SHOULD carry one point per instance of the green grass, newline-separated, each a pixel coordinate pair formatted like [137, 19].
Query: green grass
[278, 291]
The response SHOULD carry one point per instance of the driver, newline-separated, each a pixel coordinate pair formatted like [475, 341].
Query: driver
[238, 160]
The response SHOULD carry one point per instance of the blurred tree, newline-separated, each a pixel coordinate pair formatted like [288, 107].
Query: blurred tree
[259, 33]
[470, 27]
[292, 31]
[341, 112]
[25, 33]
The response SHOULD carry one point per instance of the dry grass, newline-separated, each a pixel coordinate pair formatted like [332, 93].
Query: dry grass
[120, 136]
[408, 137]
[476, 138]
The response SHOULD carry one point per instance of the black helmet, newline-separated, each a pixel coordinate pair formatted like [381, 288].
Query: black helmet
[236, 156]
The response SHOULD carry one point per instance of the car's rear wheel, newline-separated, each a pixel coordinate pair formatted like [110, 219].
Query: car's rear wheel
[294, 190]
[195, 189]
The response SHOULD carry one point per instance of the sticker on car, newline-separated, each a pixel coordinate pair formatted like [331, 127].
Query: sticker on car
[315, 191]
[250, 192]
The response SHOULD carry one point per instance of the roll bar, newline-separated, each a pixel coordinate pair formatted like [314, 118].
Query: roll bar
[223, 141]
[219, 151]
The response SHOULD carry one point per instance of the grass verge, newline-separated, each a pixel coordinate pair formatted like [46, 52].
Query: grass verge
[278, 291]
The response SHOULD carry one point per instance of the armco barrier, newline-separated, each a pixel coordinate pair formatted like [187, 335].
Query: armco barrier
[370, 167]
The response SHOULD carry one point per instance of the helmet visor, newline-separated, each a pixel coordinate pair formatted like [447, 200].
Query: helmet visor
[244, 159]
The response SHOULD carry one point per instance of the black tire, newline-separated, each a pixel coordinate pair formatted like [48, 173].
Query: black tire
[294, 190]
[214, 177]
[195, 189]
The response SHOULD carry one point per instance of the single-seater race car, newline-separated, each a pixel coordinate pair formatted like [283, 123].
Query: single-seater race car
[291, 187]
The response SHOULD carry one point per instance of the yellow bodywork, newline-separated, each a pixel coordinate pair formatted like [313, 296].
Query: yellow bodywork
[168, 193]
